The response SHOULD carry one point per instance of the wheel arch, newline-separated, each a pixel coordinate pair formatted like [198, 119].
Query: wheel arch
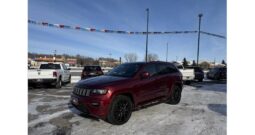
[178, 84]
[128, 94]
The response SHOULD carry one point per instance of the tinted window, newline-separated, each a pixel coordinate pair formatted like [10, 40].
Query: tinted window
[92, 68]
[172, 68]
[50, 66]
[151, 68]
[125, 70]
[166, 69]
[179, 67]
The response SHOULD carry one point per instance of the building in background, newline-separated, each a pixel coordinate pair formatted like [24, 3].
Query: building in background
[72, 62]
[108, 62]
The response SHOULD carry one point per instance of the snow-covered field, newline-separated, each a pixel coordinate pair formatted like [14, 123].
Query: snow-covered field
[202, 111]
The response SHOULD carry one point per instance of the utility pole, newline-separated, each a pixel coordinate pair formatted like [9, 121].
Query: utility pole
[198, 42]
[166, 51]
[146, 51]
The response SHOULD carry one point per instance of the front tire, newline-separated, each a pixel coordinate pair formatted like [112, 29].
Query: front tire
[175, 97]
[120, 110]
[69, 80]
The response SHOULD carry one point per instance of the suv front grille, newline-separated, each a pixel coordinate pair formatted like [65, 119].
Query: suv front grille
[81, 91]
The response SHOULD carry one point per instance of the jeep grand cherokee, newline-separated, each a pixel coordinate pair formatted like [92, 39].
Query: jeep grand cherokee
[113, 96]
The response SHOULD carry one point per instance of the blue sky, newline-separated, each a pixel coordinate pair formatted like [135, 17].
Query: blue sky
[128, 15]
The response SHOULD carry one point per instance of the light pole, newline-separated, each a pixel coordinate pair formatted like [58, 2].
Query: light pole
[198, 41]
[146, 51]
[166, 51]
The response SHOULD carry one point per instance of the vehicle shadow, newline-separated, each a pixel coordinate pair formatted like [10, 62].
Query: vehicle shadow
[84, 115]
[209, 81]
[147, 105]
[46, 86]
[219, 108]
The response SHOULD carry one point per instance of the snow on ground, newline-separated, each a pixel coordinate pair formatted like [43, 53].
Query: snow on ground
[75, 79]
[202, 111]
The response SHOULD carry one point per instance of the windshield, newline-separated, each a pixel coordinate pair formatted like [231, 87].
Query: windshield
[50, 66]
[125, 70]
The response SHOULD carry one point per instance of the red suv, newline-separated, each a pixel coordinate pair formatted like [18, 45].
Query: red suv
[129, 86]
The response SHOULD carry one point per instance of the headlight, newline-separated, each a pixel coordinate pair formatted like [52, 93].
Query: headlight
[99, 91]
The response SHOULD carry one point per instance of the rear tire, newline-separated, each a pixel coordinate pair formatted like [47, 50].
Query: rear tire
[175, 97]
[200, 80]
[59, 84]
[120, 110]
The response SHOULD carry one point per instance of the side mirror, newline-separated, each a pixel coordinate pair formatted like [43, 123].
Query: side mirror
[145, 75]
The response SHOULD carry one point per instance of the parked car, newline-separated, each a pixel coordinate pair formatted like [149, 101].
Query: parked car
[49, 73]
[217, 73]
[199, 73]
[91, 71]
[188, 74]
[129, 86]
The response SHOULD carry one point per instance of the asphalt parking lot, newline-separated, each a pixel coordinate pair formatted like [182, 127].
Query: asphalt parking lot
[202, 111]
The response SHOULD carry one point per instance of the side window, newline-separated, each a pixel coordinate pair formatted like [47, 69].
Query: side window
[162, 69]
[151, 68]
[64, 67]
[172, 69]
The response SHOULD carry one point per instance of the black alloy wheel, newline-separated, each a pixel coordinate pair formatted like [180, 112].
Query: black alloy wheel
[175, 97]
[120, 110]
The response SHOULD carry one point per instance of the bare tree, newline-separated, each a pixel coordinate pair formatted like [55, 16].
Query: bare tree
[152, 57]
[130, 57]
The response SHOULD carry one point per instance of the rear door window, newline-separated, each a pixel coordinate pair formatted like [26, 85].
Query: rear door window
[163, 69]
[151, 68]
[171, 69]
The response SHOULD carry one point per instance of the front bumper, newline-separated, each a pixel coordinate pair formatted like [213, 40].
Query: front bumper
[97, 107]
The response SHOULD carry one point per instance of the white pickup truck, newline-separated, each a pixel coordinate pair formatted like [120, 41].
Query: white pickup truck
[50, 73]
[187, 74]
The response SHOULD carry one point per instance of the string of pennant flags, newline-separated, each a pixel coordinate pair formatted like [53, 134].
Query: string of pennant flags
[211, 34]
[62, 26]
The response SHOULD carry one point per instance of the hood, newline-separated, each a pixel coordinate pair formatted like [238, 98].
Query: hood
[100, 81]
